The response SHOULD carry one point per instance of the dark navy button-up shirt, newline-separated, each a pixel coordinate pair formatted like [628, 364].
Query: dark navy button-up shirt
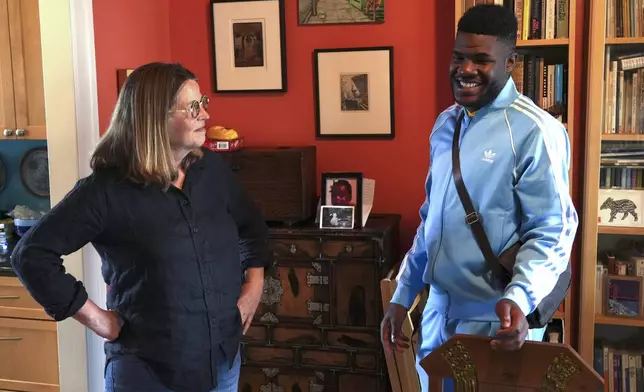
[173, 260]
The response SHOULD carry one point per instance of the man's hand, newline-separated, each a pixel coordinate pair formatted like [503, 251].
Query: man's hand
[105, 323]
[250, 296]
[514, 327]
[391, 329]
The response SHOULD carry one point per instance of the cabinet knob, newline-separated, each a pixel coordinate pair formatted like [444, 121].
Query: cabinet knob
[20, 132]
[8, 132]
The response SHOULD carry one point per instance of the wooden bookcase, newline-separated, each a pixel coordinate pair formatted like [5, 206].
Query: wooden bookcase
[558, 48]
[610, 131]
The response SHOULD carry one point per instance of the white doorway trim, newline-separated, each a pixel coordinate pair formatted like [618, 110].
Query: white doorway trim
[84, 59]
[71, 109]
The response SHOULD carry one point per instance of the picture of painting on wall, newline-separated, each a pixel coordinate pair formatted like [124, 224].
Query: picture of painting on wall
[249, 44]
[354, 91]
[317, 12]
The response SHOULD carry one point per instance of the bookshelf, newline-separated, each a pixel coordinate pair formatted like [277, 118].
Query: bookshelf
[613, 169]
[551, 46]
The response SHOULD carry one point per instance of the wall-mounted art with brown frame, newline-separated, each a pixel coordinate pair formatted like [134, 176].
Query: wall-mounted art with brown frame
[121, 76]
[354, 93]
[249, 46]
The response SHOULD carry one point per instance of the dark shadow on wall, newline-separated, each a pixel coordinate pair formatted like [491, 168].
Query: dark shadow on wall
[443, 33]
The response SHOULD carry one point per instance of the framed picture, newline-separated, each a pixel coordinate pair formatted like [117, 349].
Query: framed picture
[121, 75]
[337, 217]
[621, 207]
[343, 189]
[354, 93]
[249, 42]
[320, 12]
[623, 296]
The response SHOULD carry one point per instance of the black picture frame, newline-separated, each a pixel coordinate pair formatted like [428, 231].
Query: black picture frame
[388, 73]
[355, 180]
[247, 5]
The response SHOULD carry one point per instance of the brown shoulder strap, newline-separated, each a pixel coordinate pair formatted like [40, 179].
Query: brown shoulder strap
[472, 217]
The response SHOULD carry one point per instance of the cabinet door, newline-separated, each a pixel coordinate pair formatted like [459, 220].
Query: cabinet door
[26, 60]
[29, 360]
[7, 106]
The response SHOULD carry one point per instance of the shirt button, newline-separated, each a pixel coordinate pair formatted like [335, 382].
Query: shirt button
[213, 321]
[207, 291]
[184, 202]
[195, 230]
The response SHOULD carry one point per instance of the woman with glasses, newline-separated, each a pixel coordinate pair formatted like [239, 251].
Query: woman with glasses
[182, 246]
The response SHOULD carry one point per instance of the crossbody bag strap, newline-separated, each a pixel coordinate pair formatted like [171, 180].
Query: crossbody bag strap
[472, 218]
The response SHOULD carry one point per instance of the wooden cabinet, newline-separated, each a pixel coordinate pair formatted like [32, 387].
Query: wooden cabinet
[317, 326]
[22, 100]
[28, 342]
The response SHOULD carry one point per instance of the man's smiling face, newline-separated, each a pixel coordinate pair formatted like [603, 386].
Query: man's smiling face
[480, 67]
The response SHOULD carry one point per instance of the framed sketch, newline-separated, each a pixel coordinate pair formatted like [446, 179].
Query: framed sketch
[249, 42]
[354, 93]
[623, 296]
[621, 207]
[337, 217]
[321, 12]
[343, 189]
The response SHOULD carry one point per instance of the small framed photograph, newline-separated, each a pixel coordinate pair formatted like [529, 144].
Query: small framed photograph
[354, 93]
[249, 43]
[337, 217]
[343, 189]
[623, 296]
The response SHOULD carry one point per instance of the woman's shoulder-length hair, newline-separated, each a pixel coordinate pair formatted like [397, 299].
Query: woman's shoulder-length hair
[136, 142]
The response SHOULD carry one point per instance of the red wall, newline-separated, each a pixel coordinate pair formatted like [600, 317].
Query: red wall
[130, 33]
[421, 36]
[127, 34]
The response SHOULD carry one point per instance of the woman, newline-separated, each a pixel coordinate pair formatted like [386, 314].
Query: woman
[182, 246]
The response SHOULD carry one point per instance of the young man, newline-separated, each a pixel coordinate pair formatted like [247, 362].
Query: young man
[514, 159]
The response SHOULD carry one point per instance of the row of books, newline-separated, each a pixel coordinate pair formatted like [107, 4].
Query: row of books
[624, 92]
[621, 368]
[543, 82]
[537, 19]
[621, 177]
[625, 18]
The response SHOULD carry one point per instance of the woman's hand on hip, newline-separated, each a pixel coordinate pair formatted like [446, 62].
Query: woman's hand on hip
[105, 323]
[251, 294]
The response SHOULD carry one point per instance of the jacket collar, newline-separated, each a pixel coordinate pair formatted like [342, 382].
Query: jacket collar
[503, 100]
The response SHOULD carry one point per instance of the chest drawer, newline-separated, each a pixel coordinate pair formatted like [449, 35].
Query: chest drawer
[29, 360]
[15, 301]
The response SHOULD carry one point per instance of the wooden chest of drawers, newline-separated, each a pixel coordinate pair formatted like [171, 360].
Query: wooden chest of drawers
[317, 326]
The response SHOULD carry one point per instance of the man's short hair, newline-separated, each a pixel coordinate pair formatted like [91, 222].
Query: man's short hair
[490, 19]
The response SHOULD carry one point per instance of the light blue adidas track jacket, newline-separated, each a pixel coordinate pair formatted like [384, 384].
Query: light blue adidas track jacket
[514, 159]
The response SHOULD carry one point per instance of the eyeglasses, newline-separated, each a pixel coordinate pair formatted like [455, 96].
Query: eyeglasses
[194, 108]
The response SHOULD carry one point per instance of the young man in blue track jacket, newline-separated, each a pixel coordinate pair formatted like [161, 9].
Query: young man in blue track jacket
[514, 161]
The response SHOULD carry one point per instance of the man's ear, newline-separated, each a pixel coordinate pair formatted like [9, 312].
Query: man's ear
[511, 61]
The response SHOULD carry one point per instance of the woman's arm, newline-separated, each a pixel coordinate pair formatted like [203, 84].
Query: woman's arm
[37, 259]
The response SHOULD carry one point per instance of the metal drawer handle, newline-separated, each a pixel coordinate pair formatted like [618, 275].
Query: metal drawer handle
[293, 248]
[10, 339]
[348, 248]
[9, 297]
